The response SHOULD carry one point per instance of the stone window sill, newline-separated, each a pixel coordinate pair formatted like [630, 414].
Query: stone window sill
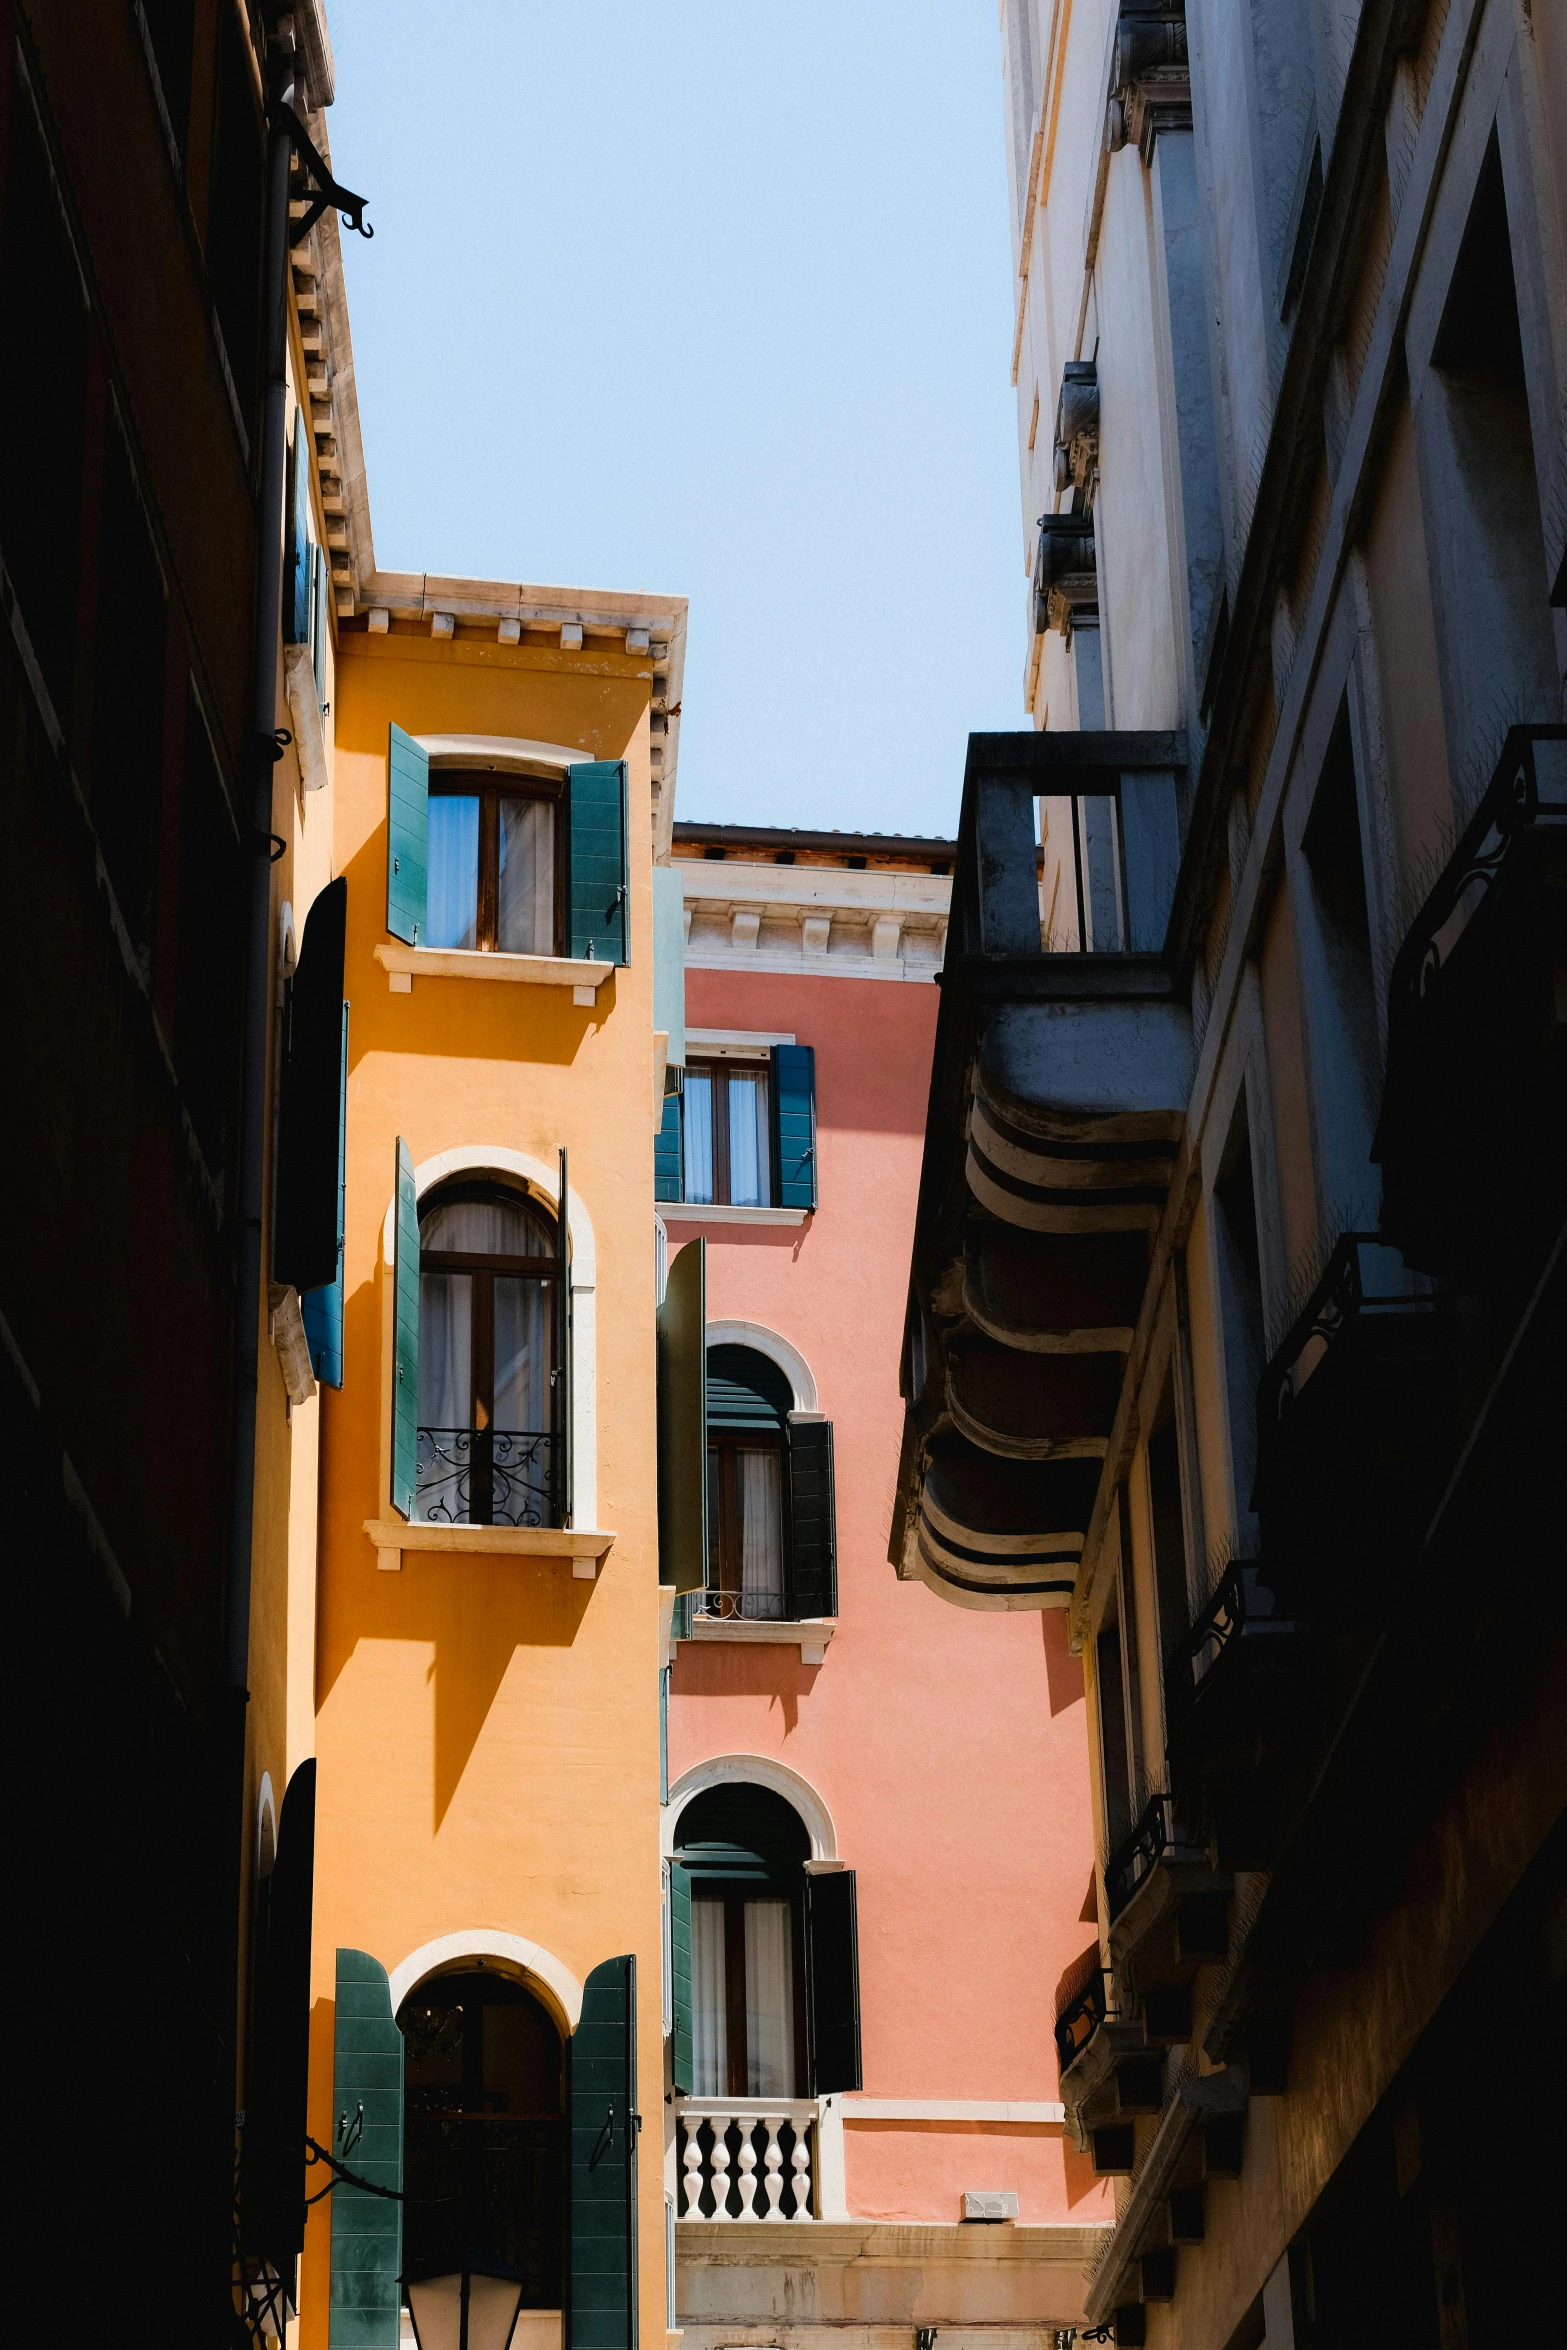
[587, 1549]
[811, 1635]
[404, 964]
[691, 1211]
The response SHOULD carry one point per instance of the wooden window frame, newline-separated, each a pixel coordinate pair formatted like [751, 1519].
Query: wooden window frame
[484, 1272]
[489, 789]
[718, 1073]
[734, 1898]
[724, 1556]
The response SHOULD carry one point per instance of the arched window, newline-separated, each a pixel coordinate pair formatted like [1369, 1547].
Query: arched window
[771, 1541]
[744, 1850]
[484, 2136]
[490, 1408]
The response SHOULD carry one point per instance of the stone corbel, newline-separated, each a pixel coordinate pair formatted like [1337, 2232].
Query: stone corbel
[1150, 77]
[1077, 431]
[1066, 577]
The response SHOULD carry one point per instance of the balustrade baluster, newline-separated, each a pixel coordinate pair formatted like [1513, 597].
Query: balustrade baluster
[721, 2173]
[748, 2166]
[691, 2160]
[800, 2166]
[772, 2182]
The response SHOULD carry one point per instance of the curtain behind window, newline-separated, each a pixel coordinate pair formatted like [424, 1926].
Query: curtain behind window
[525, 905]
[445, 1350]
[749, 1177]
[769, 1999]
[522, 1336]
[697, 1119]
[710, 2031]
[453, 885]
[761, 1534]
[486, 1228]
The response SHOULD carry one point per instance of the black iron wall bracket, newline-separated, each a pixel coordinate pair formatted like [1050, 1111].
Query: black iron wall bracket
[324, 190]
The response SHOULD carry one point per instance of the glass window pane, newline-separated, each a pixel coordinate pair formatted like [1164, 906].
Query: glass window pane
[453, 909]
[769, 1999]
[445, 1350]
[749, 1184]
[709, 2001]
[761, 1533]
[486, 1228]
[525, 901]
[522, 1354]
[697, 1120]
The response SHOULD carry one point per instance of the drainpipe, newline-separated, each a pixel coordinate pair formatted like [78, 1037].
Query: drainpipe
[261, 754]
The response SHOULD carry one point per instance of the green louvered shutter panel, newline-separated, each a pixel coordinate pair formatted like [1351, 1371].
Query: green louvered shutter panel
[681, 2037]
[318, 624]
[322, 1309]
[297, 582]
[813, 1538]
[367, 2230]
[597, 877]
[405, 1355]
[682, 1421]
[407, 835]
[602, 2297]
[668, 1167]
[832, 1982]
[793, 1098]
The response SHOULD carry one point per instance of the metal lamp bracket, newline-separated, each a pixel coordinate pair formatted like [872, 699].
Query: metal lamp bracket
[324, 191]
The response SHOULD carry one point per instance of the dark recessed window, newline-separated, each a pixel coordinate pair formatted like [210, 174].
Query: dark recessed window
[746, 1550]
[855, 864]
[715, 856]
[728, 1157]
[489, 1438]
[493, 866]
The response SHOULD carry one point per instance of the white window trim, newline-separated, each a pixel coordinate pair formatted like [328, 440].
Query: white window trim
[693, 1211]
[403, 965]
[735, 1044]
[757, 1770]
[542, 1968]
[776, 1349]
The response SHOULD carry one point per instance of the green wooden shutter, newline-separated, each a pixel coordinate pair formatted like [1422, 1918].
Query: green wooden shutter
[668, 1158]
[367, 2230]
[682, 2042]
[272, 2174]
[813, 1533]
[318, 623]
[602, 2296]
[405, 1348]
[322, 1309]
[793, 1103]
[682, 1421]
[832, 1981]
[407, 835]
[296, 552]
[598, 880]
[563, 1362]
[305, 1193]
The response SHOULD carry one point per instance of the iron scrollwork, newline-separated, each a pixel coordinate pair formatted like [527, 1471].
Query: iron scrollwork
[486, 1477]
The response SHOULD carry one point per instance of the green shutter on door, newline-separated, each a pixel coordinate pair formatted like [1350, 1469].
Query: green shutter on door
[407, 835]
[793, 1101]
[405, 1349]
[367, 2229]
[602, 2300]
[681, 2002]
[668, 1167]
[322, 1309]
[832, 1981]
[682, 1421]
[597, 876]
[813, 1534]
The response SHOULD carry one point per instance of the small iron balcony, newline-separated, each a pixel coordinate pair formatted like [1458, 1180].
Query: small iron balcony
[487, 1477]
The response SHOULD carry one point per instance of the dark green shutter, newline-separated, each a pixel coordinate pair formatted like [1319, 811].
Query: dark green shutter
[306, 1198]
[367, 2229]
[323, 576]
[681, 1999]
[563, 1363]
[793, 1103]
[322, 1309]
[832, 1981]
[668, 1158]
[813, 1533]
[597, 877]
[682, 1421]
[602, 2299]
[405, 1349]
[297, 581]
[407, 835]
[273, 2171]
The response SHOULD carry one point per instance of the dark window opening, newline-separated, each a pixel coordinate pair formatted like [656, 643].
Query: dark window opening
[1112, 1734]
[128, 699]
[42, 414]
[170, 34]
[236, 217]
[1240, 1291]
[747, 1549]
[1167, 1514]
[727, 1139]
[484, 2136]
[490, 1424]
[209, 951]
[494, 875]
[1349, 1056]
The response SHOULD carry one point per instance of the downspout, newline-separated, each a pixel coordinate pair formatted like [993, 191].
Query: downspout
[261, 753]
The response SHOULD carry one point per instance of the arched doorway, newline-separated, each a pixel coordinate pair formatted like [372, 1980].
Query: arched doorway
[484, 2131]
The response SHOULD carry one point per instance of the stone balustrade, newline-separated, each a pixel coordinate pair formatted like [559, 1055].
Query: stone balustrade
[746, 2158]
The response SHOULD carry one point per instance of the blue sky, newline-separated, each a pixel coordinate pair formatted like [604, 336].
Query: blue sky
[712, 298]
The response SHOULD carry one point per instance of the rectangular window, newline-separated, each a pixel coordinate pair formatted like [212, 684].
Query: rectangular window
[1169, 1527]
[1240, 1293]
[745, 1486]
[492, 865]
[744, 1994]
[728, 1148]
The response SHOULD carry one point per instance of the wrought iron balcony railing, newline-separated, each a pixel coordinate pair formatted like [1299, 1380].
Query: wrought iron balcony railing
[1365, 1280]
[487, 1477]
[1135, 1858]
[1239, 1616]
[1088, 2001]
[732, 1607]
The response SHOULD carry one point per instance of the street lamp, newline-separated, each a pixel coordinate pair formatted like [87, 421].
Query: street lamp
[473, 2308]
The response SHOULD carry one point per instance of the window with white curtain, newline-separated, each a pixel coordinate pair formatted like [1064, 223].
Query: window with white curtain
[743, 1994]
[487, 1349]
[492, 864]
[727, 1136]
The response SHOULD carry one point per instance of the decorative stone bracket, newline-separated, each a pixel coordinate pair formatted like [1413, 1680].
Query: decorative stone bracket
[1077, 431]
[1066, 577]
[1150, 78]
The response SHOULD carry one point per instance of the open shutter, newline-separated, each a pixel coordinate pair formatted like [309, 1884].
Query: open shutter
[669, 960]
[297, 582]
[793, 1098]
[682, 1422]
[407, 835]
[668, 1166]
[832, 1981]
[273, 2198]
[322, 1309]
[305, 1208]
[813, 1533]
[597, 876]
[367, 2135]
[602, 2313]
[681, 2042]
[405, 1342]
[319, 624]
[563, 1364]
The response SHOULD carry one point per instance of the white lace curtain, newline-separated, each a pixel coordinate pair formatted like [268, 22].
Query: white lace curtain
[769, 1998]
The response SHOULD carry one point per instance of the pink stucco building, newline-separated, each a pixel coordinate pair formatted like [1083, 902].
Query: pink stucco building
[877, 1803]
